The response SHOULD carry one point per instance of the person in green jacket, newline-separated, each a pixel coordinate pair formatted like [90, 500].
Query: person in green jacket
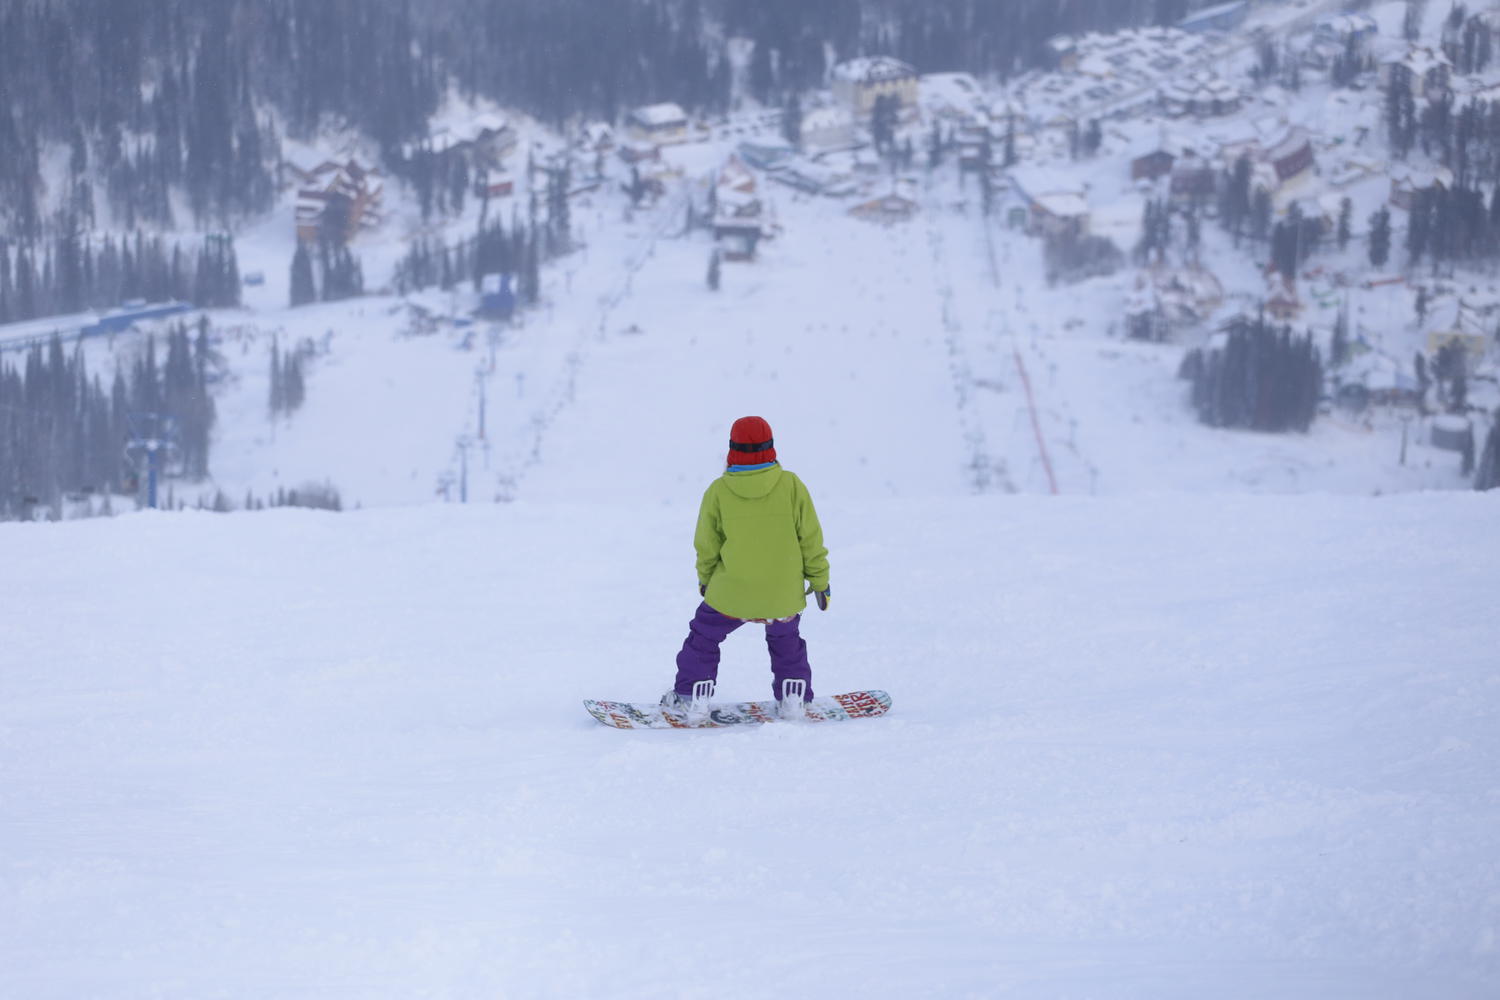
[758, 542]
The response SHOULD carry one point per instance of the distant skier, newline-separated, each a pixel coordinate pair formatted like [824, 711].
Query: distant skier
[758, 540]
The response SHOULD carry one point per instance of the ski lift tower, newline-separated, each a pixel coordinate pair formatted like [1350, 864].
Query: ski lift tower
[151, 447]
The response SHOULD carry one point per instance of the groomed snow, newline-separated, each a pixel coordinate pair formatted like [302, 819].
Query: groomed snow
[1141, 747]
[1152, 738]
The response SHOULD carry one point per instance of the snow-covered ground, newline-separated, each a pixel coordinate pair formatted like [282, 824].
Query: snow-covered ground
[1157, 747]
[890, 355]
[1221, 719]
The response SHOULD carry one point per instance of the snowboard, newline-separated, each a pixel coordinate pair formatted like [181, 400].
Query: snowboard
[835, 708]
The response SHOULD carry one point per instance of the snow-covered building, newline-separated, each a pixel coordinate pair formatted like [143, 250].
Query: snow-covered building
[953, 98]
[1291, 155]
[828, 129]
[487, 137]
[1281, 156]
[1167, 299]
[766, 156]
[1194, 180]
[1407, 181]
[1153, 155]
[858, 82]
[1151, 164]
[1336, 36]
[658, 124]
[1373, 377]
[1281, 299]
[346, 195]
[1122, 71]
[1201, 94]
[1053, 207]
[1457, 322]
[1064, 52]
[976, 146]
[1344, 28]
[1353, 169]
[1427, 70]
[825, 177]
[739, 221]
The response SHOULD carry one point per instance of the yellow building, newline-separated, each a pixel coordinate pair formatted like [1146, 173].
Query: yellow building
[858, 82]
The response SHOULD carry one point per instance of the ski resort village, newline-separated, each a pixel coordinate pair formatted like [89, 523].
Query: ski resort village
[363, 368]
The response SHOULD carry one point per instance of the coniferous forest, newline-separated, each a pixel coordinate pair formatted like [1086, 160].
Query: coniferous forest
[62, 431]
[156, 98]
[68, 274]
[1261, 378]
[128, 122]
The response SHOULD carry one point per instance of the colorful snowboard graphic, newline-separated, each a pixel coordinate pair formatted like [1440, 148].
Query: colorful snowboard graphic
[624, 715]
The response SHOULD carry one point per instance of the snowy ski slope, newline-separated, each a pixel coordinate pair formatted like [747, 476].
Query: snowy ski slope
[1178, 743]
[1179, 746]
[1155, 737]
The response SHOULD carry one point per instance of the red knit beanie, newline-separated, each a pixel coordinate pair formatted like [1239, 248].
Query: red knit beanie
[750, 442]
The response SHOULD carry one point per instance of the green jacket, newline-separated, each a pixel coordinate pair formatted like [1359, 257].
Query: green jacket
[758, 539]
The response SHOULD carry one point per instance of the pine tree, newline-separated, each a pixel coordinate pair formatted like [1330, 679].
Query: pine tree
[1261, 379]
[791, 121]
[531, 277]
[1260, 214]
[303, 289]
[1487, 473]
[1380, 237]
[278, 387]
[935, 146]
[294, 389]
[1338, 352]
[883, 123]
[1093, 137]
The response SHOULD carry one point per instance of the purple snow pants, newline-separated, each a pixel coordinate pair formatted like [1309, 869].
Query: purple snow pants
[699, 659]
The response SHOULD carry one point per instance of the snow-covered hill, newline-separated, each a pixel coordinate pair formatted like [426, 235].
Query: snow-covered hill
[1218, 719]
[1170, 747]
[892, 356]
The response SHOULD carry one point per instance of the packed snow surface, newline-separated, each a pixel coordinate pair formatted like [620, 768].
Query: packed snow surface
[1174, 746]
[1151, 738]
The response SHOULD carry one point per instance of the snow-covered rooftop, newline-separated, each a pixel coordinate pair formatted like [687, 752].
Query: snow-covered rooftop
[1063, 204]
[873, 69]
[659, 115]
[1114, 68]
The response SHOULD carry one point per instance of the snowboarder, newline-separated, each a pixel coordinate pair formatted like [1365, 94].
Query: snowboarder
[758, 540]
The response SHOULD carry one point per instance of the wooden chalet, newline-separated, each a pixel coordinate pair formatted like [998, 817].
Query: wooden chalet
[355, 189]
[739, 222]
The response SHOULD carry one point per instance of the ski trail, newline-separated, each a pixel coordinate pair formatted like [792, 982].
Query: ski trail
[985, 475]
[1009, 334]
[565, 386]
[525, 453]
[1044, 420]
[830, 333]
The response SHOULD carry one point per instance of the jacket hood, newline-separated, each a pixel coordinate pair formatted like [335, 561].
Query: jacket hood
[753, 485]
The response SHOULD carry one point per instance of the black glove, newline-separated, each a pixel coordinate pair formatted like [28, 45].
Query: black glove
[821, 596]
[702, 590]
